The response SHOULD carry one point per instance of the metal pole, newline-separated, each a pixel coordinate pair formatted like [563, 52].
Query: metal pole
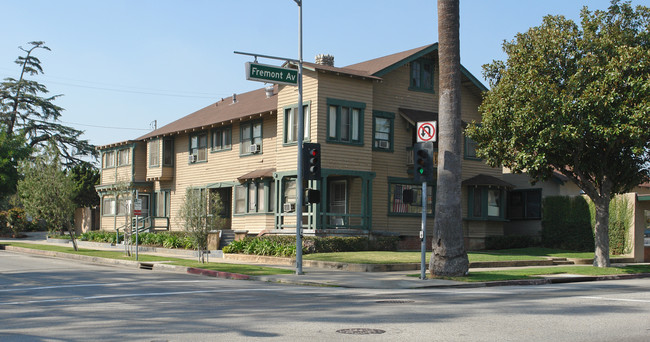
[136, 228]
[423, 233]
[301, 134]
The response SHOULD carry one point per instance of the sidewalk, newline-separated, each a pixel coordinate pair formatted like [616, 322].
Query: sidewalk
[314, 276]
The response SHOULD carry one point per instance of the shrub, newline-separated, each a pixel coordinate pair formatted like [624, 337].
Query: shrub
[285, 245]
[620, 220]
[17, 220]
[566, 223]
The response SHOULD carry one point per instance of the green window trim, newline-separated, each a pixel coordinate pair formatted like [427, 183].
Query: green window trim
[165, 196]
[154, 152]
[290, 133]
[483, 201]
[251, 206]
[120, 153]
[396, 208]
[469, 149]
[198, 148]
[108, 155]
[168, 152]
[524, 204]
[341, 122]
[221, 139]
[247, 139]
[389, 118]
[421, 75]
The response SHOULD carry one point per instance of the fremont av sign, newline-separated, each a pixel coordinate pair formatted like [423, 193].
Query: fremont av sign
[271, 74]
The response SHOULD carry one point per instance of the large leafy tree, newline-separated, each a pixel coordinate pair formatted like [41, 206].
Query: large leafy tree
[85, 177]
[449, 257]
[24, 111]
[576, 100]
[46, 192]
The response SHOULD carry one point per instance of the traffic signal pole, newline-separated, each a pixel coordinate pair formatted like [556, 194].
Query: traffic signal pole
[301, 133]
[423, 233]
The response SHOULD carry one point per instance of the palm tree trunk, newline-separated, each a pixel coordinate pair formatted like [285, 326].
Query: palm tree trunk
[449, 256]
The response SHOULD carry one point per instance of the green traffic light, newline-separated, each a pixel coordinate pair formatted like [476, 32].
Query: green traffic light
[421, 171]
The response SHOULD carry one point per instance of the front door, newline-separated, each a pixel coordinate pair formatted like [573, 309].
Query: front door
[338, 203]
[225, 195]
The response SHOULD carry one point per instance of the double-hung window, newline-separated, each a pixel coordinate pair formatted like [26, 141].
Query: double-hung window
[486, 203]
[291, 124]
[251, 137]
[255, 197]
[154, 153]
[108, 206]
[398, 204]
[109, 159]
[422, 75]
[470, 149]
[221, 139]
[345, 121]
[199, 147]
[163, 203]
[123, 157]
[168, 152]
[382, 131]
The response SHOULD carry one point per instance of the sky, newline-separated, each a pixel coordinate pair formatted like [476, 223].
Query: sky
[122, 65]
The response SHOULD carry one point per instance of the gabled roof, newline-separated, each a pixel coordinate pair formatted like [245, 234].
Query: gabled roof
[248, 104]
[256, 102]
[383, 65]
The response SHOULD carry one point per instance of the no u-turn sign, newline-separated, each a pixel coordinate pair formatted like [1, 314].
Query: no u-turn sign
[427, 131]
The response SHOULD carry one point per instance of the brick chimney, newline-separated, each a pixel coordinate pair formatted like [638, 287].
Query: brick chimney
[324, 59]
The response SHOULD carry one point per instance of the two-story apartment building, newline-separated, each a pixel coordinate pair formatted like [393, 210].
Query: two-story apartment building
[244, 148]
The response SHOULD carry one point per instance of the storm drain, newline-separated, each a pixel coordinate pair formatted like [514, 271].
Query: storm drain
[361, 331]
[146, 266]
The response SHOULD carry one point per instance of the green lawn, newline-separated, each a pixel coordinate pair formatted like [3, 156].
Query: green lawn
[385, 258]
[537, 272]
[534, 253]
[215, 266]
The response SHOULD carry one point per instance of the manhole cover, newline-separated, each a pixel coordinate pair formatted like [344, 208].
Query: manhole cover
[361, 331]
[395, 301]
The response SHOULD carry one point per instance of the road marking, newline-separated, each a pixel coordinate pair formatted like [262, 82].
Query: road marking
[129, 295]
[617, 299]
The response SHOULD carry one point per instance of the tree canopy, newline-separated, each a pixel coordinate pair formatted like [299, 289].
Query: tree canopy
[575, 100]
[46, 192]
[25, 112]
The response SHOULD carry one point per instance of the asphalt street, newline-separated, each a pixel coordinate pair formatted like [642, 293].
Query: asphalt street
[46, 299]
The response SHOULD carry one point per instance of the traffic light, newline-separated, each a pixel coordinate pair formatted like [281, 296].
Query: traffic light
[311, 161]
[312, 196]
[423, 162]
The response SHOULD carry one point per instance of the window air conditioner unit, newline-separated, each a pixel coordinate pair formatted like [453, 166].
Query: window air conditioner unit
[383, 144]
[192, 158]
[288, 207]
[255, 148]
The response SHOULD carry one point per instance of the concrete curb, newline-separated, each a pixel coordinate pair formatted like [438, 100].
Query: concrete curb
[155, 266]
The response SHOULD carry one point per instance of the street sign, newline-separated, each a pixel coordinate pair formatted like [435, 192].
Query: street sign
[427, 131]
[271, 74]
[137, 207]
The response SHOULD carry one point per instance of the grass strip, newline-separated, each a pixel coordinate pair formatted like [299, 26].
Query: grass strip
[539, 272]
[252, 270]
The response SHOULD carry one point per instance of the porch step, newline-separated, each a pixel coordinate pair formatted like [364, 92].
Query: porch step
[227, 236]
[561, 261]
